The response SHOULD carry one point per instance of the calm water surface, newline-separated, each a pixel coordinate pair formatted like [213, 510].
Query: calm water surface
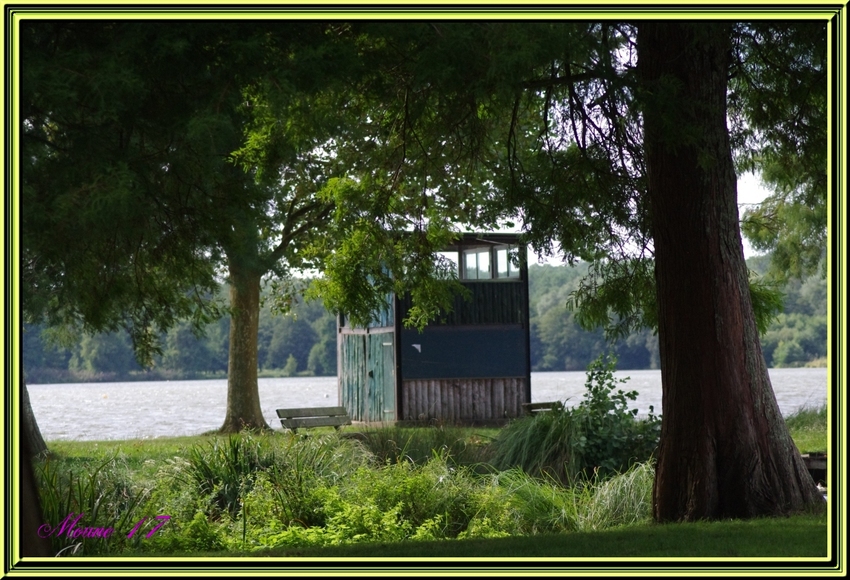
[104, 411]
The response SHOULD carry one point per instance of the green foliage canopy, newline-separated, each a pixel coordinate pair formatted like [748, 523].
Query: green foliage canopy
[142, 179]
[778, 108]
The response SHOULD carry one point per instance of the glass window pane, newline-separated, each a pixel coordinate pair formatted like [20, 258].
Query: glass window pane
[502, 263]
[484, 265]
[471, 266]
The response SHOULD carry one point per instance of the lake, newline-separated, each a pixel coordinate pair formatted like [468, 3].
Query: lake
[136, 410]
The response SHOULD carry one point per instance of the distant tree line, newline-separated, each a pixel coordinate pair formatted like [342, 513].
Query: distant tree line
[798, 335]
[796, 338]
[559, 343]
[304, 342]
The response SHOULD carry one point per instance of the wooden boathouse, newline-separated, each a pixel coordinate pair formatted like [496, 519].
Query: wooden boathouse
[473, 367]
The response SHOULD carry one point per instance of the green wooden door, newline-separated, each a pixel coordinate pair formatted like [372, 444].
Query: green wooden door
[380, 377]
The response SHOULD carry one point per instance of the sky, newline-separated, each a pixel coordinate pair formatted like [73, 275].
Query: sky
[750, 191]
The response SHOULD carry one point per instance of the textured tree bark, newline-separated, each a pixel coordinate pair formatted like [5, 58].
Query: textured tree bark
[243, 396]
[32, 545]
[32, 445]
[725, 449]
[29, 426]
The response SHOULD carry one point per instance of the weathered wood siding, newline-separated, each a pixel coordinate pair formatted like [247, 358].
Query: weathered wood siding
[352, 377]
[492, 302]
[463, 400]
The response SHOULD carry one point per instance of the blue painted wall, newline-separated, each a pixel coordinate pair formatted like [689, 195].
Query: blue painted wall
[464, 352]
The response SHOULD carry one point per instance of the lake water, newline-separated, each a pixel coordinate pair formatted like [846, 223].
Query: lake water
[105, 411]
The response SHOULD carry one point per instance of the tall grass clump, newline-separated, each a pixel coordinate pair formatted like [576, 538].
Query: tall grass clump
[543, 445]
[226, 470]
[418, 444]
[99, 497]
[600, 436]
[624, 499]
[306, 464]
[515, 503]
[223, 470]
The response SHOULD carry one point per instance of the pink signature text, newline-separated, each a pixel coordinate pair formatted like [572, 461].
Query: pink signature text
[69, 528]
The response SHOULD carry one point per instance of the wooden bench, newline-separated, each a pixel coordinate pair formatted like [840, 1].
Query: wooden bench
[532, 408]
[294, 419]
[816, 464]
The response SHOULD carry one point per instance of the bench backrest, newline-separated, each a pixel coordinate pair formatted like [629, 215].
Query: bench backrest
[531, 408]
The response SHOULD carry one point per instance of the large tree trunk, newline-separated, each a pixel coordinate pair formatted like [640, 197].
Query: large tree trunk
[29, 426]
[243, 396]
[32, 544]
[32, 444]
[725, 449]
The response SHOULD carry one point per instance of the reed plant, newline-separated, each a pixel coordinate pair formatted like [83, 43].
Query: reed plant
[99, 498]
[224, 468]
[542, 445]
[625, 499]
[418, 444]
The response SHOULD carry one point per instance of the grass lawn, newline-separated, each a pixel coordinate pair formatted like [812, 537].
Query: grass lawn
[802, 536]
[808, 429]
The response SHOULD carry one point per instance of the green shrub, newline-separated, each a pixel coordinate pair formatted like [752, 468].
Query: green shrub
[363, 520]
[601, 436]
[419, 493]
[612, 438]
